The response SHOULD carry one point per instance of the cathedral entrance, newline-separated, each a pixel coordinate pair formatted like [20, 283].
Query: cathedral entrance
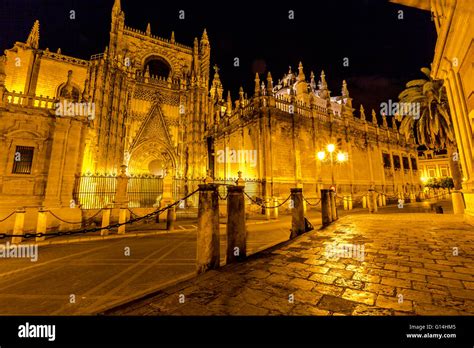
[153, 161]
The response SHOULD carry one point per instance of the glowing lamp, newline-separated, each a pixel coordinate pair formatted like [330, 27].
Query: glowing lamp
[341, 157]
[331, 148]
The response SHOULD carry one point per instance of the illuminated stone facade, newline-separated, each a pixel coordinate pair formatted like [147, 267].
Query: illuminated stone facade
[156, 111]
[287, 123]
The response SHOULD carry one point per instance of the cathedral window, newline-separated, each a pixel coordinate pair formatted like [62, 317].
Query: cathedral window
[23, 160]
[406, 164]
[386, 161]
[396, 162]
[414, 165]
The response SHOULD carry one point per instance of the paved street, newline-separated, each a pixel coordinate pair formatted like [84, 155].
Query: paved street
[92, 276]
[414, 264]
[99, 274]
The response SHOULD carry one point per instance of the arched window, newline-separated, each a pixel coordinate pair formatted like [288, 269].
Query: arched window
[157, 67]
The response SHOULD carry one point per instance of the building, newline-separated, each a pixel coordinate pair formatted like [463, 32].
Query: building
[146, 109]
[433, 164]
[453, 62]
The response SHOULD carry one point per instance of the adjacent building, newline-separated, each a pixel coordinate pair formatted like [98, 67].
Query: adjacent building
[453, 62]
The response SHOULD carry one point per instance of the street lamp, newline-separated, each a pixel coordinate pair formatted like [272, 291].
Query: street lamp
[340, 158]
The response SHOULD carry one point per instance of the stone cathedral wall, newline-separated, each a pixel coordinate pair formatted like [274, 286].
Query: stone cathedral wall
[283, 167]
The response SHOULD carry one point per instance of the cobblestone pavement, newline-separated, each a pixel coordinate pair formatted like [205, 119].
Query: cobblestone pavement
[414, 264]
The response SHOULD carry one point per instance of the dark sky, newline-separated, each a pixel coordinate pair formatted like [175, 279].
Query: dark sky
[384, 52]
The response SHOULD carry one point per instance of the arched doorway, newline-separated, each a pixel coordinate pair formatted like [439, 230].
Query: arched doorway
[154, 161]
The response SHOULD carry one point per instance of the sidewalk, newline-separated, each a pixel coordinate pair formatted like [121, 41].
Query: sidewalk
[414, 264]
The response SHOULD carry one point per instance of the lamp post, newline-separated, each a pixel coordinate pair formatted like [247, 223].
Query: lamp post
[340, 158]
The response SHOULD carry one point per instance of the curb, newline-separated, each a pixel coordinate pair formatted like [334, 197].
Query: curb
[143, 295]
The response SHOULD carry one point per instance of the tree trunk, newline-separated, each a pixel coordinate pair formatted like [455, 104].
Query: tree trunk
[455, 167]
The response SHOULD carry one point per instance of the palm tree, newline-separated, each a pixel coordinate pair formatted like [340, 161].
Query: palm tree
[430, 124]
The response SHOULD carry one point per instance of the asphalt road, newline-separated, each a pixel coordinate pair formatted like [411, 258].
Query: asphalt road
[88, 277]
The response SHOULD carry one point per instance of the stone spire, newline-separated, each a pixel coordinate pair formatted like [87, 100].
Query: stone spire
[384, 120]
[241, 95]
[85, 92]
[374, 117]
[205, 58]
[117, 8]
[312, 81]
[362, 112]
[204, 36]
[66, 91]
[148, 29]
[394, 124]
[147, 72]
[344, 91]
[322, 82]
[323, 86]
[216, 88]
[269, 84]
[172, 37]
[257, 85]
[229, 104]
[301, 76]
[33, 38]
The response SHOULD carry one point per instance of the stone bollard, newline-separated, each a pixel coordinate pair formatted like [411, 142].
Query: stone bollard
[332, 196]
[325, 207]
[372, 201]
[364, 201]
[208, 252]
[105, 221]
[170, 218]
[346, 202]
[350, 202]
[297, 214]
[267, 208]
[275, 209]
[384, 200]
[19, 223]
[41, 223]
[236, 230]
[412, 198]
[122, 219]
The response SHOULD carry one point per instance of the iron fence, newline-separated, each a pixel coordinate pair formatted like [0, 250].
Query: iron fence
[144, 191]
[94, 191]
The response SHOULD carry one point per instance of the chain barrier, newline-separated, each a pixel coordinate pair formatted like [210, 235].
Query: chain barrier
[13, 212]
[96, 229]
[263, 205]
[85, 222]
[132, 213]
[312, 204]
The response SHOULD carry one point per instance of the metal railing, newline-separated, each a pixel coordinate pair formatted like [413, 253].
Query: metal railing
[94, 191]
[144, 191]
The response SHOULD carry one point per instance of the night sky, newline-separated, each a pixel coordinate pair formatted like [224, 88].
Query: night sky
[384, 52]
